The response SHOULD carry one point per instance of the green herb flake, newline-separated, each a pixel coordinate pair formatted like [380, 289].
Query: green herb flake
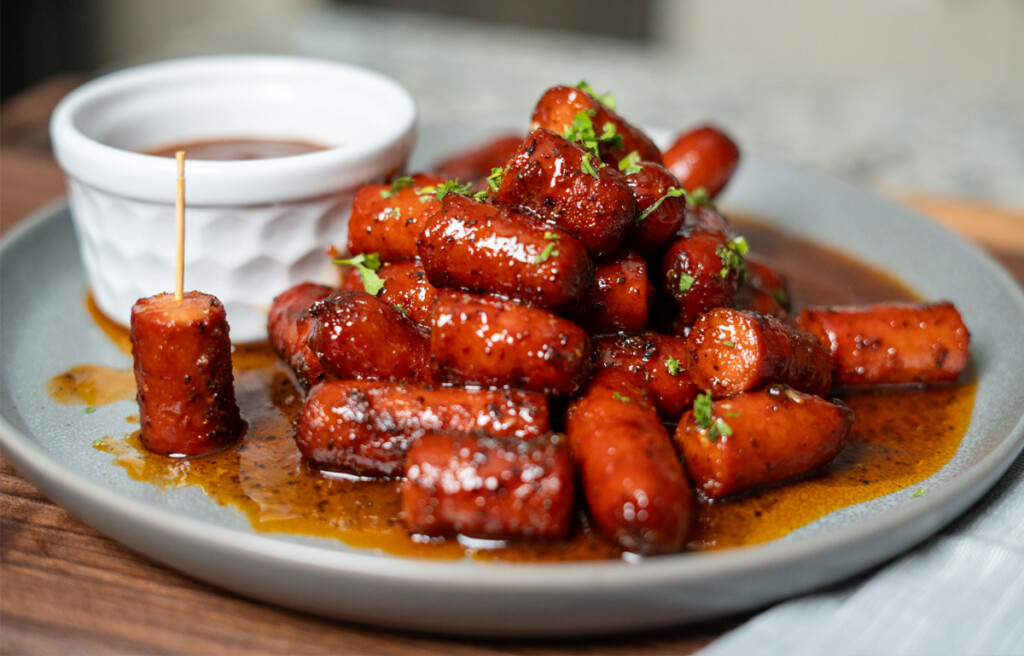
[587, 166]
[731, 255]
[619, 397]
[90, 410]
[671, 192]
[442, 190]
[549, 249]
[495, 178]
[397, 186]
[673, 366]
[606, 99]
[630, 164]
[367, 264]
[729, 343]
[714, 427]
[582, 131]
[98, 444]
[698, 197]
[685, 282]
[401, 310]
[919, 492]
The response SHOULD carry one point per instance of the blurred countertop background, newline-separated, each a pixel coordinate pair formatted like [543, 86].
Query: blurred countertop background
[918, 96]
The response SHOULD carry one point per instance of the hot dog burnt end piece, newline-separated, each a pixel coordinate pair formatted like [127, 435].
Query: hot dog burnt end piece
[665, 214]
[365, 427]
[703, 268]
[548, 179]
[703, 157]
[406, 288]
[490, 249]
[557, 110]
[891, 343]
[288, 326]
[631, 477]
[355, 335]
[486, 486]
[765, 437]
[621, 296]
[660, 360]
[182, 361]
[483, 340]
[387, 219]
[731, 351]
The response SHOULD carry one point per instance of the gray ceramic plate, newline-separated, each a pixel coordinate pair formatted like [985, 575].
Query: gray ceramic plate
[44, 329]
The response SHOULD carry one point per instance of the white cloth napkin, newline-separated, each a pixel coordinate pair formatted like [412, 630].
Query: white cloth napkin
[961, 592]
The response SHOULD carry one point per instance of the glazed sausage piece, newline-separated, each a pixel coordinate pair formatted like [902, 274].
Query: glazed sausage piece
[475, 164]
[621, 296]
[891, 343]
[355, 335]
[704, 157]
[182, 361]
[387, 219]
[763, 290]
[765, 437]
[288, 327]
[729, 351]
[701, 270]
[490, 249]
[631, 477]
[485, 486]
[660, 360]
[405, 287]
[650, 184]
[364, 427]
[548, 179]
[557, 109]
[478, 340]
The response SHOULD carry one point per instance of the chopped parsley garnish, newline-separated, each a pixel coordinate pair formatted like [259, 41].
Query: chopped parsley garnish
[780, 297]
[494, 179]
[401, 310]
[703, 414]
[685, 282]
[671, 192]
[732, 257]
[582, 131]
[367, 264]
[90, 410]
[673, 366]
[549, 249]
[630, 164]
[443, 189]
[919, 492]
[588, 166]
[729, 343]
[397, 186]
[698, 196]
[619, 397]
[98, 444]
[606, 99]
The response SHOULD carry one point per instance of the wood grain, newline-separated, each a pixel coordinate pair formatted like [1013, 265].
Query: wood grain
[64, 588]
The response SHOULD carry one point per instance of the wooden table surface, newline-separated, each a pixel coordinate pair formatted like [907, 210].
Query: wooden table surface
[64, 588]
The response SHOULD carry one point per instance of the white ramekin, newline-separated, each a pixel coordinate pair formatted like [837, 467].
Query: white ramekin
[253, 227]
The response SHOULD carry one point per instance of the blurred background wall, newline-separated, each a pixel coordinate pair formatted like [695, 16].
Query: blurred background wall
[925, 95]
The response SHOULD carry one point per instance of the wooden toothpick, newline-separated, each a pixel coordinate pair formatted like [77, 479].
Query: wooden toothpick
[179, 214]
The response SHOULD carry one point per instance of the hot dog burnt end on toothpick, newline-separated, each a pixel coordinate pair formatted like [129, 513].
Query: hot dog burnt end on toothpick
[182, 356]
